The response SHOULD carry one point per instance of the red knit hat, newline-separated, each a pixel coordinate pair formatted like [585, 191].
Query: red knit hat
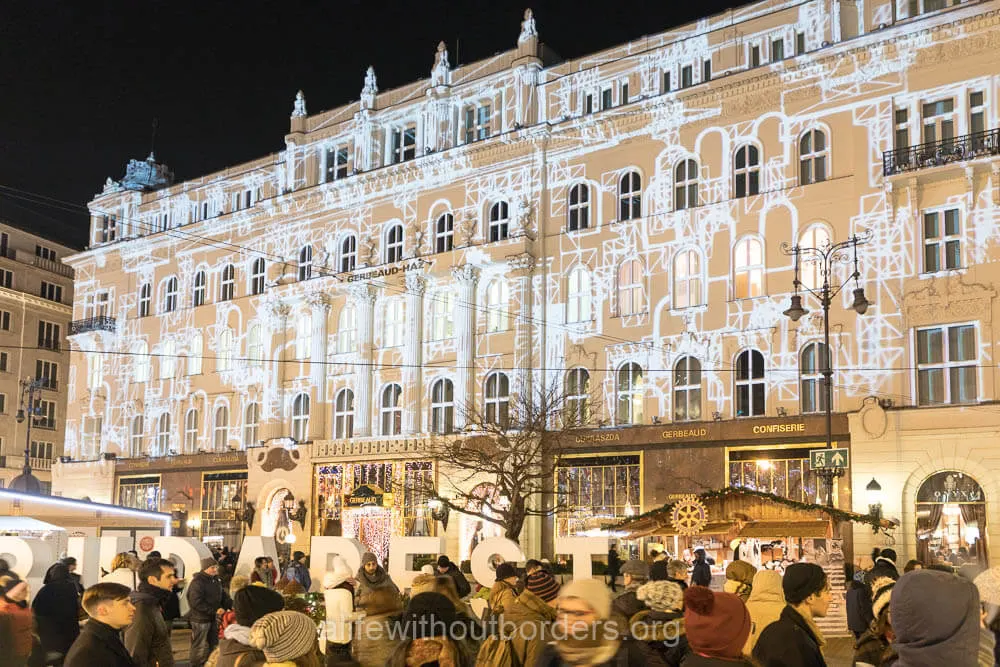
[717, 624]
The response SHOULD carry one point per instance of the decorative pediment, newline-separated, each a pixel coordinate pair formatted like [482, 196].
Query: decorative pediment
[947, 299]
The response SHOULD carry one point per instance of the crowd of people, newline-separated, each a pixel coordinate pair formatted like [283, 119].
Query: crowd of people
[665, 616]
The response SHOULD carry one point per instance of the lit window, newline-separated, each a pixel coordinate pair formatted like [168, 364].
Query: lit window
[815, 236]
[197, 351]
[687, 389]
[497, 303]
[163, 435]
[255, 347]
[687, 279]
[442, 315]
[300, 418]
[227, 286]
[812, 157]
[251, 424]
[140, 362]
[391, 412]
[749, 384]
[95, 371]
[630, 196]
[577, 397]
[394, 322]
[630, 293]
[499, 222]
[170, 295]
[145, 297]
[444, 233]
[579, 207]
[337, 159]
[578, 295]
[748, 268]
[942, 240]
[257, 276]
[168, 360]
[343, 414]
[220, 434]
[442, 407]
[347, 330]
[191, 431]
[226, 351]
[629, 392]
[348, 253]
[305, 262]
[303, 336]
[746, 168]
[497, 399]
[814, 360]
[198, 293]
[394, 244]
[685, 185]
[946, 365]
[136, 442]
[403, 144]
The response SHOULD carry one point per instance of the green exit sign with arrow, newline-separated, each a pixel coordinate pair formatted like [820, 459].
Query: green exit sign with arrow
[825, 459]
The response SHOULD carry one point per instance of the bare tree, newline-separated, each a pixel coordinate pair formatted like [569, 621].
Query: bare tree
[514, 448]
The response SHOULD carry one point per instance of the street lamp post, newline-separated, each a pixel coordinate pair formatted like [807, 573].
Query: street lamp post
[29, 388]
[825, 258]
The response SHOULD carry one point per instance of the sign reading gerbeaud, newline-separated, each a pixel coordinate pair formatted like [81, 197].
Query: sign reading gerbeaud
[367, 495]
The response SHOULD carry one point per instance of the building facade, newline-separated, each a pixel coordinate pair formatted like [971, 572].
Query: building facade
[611, 226]
[36, 296]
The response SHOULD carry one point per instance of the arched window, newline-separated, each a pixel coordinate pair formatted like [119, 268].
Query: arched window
[348, 253]
[951, 519]
[145, 299]
[687, 389]
[258, 273]
[497, 303]
[170, 295]
[497, 399]
[749, 384]
[227, 285]
[163, 435]
[197, 352]
[255, 347]
[685, 185]
[444, 233]
[815, 236]
[390, 411]
[579, 207]
[748, 268]
[394, 322]
[220, 434]
[394, 244]
[226, 351]
[499, 222]
[577, 396]
[306, 263]
[198, 291]
[343, 414]
[191, 431]
[630, 196]
[442, 406]
[815, 359]
[303, 336]
[812, 157]
[136, 444]
[629, 391]
[251, 424]
[168, 360]
[746, 169]
[347, 330]
[442, 315]
[140, 361]
[300, 418]
[687, 279]
[630, 292]
[578, 295]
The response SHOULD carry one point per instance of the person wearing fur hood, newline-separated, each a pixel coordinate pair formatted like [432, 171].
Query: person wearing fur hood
[338, 596]
[661, 624]
[766, 603]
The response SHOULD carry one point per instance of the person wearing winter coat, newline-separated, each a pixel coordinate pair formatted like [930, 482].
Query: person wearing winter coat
[372, 647]
[717, 626]
[263, 572]
[885, 565]
[148, 639]
[124, 570]
[298, 571]
[528, 623]
[100, 643]
[585, 633]
[635, 573]
[445, 566]
[794, 640]
[370, 577]
[739, 579]
[57, 611]
[872, 647]
[701, 571]
[287, 639]
[338, 598]
[430, 630]
[206, 598]
[988, 583]
[661, 624]
[16, 622]
[614, 567]
[935, 619]
[250, 604]
[765, 605]
[504, 590]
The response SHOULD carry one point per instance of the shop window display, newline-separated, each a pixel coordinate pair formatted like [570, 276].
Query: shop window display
[951, 520]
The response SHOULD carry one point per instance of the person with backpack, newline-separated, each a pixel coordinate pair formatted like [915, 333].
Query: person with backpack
[297, 571]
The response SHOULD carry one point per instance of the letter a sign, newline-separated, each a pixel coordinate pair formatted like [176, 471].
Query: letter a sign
[826, 459]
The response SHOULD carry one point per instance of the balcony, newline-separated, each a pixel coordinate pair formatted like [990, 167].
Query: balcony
[937, 153]
[99, 323]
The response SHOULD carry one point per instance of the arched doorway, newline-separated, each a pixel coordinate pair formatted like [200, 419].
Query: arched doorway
[951, 520]
[471, 529]
[275, 522]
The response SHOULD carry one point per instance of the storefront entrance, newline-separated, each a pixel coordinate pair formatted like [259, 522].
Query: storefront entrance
[951, 520]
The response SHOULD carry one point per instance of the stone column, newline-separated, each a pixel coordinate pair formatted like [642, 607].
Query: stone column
[467, 277]
[364, 301]
[319, 304]
[522, 269]
[413, 354]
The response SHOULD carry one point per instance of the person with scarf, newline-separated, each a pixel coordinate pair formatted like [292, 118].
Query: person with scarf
[371, 577]
[794, 640]
[263, 572]
[250, 604]
[586, 635]
[148, 639]
[57, 611]
[428, 627]
[16, 622]
[661, 624]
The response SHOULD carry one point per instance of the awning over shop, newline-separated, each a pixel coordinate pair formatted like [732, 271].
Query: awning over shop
[771, 529]
[66, 513]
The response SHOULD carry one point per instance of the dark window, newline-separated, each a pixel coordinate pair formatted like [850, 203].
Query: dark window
[750, 384]
[624, 93]
[777, 50]
[666, 82]
[706, 71]
[754, 56]
[746, 167]
[687, 76]
[579, 207]
[800, 43]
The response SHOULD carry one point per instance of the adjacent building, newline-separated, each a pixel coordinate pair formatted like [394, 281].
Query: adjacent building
[614, 226]
[36, 297]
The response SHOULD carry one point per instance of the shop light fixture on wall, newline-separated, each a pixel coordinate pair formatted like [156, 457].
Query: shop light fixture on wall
[873, 493]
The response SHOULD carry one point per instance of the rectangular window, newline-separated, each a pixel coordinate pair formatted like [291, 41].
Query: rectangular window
[477, 123]
[706, 71]
[687, 76]
[336, 163]
[606, 99]
[777, 50]
[754, 56]
[404, 144]
[800, 43]
[48, 335]
[40, 450]
[939, 121]
[45, 253]
[204, 210]
[6, 278]
[4, 241]
[942, 240]
[666, 82]
[946, 365]
[623, 93]
[611, 483]
[45, 414]
[47, 372]
[109, 228]
[5, 320]
[3, 403]
[902, 128]
[783, 472]
[588, 104]
[51, 292]
[4, 361]
[977, 113]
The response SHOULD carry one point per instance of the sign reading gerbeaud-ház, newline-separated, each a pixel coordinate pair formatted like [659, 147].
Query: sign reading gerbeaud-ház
[388, 271]
[824, 459]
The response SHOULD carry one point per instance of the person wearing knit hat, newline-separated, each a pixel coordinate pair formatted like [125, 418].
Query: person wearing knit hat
[250, 604]
[445, 566]
[635, 573]
[739, 579]
[338, 599]
[873, 644]
[716, 625]
[542, 584]
[205, 597]
[285, 637]
[661, 625]
[504, 590]
[794, 639]
[370, 577]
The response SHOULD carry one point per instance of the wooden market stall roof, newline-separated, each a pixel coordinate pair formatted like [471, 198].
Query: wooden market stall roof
[70, 513]
[748, 513]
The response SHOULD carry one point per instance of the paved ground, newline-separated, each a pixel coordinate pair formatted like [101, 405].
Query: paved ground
[838, 650]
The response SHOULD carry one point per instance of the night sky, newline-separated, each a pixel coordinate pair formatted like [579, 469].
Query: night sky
[81, 82]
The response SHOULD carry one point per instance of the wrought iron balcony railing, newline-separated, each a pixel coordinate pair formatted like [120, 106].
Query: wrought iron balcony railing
[99, 323]
[945, 151]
